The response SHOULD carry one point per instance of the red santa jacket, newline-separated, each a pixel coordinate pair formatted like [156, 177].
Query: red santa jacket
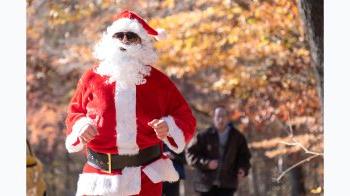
[121, 116]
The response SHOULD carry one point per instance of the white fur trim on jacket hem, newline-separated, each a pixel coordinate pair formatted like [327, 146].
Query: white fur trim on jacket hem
[128, 183]
[161, 170]
[72, 138]
[176, 133]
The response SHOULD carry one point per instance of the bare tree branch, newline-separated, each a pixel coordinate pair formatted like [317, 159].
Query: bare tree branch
[296, 143]
[294, 166]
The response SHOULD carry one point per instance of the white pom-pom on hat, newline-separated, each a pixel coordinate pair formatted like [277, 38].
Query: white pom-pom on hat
[161, 34]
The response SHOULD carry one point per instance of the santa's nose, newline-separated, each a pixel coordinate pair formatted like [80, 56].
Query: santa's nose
[125, 39]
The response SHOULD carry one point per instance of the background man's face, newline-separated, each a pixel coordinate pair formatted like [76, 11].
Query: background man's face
[220, 118]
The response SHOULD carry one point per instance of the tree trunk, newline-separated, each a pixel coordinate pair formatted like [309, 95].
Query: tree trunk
[254, 187]
[311, 12]
[297, 182]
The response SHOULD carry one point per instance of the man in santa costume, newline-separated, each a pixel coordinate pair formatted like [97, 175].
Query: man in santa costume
[122, 111]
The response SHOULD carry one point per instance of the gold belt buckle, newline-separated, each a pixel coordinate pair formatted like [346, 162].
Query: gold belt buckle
[109, 164]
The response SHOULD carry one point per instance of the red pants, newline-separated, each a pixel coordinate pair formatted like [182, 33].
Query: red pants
[148, 188]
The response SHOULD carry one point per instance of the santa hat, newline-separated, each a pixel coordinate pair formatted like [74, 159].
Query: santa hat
[130, 21]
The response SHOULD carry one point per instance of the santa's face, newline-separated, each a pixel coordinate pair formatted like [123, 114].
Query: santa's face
[125, 57]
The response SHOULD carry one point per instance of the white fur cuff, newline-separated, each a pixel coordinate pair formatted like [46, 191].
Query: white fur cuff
[79, 126]
[176, 133]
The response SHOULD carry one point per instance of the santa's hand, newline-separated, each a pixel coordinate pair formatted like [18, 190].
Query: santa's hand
[160, 127]
[88, 134]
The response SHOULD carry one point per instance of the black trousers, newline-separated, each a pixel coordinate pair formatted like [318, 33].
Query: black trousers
[217, 191]
[171, 189]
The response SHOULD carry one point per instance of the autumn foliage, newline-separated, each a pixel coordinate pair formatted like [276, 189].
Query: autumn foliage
[252, 56]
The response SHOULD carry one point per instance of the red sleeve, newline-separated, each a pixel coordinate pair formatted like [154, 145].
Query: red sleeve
[180, 119]
[76, 108]
[76, 116]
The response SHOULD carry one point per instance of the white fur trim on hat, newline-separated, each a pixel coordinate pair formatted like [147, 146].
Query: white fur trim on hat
[126, 24]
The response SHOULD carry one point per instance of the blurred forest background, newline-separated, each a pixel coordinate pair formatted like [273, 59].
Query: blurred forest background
[253, 55]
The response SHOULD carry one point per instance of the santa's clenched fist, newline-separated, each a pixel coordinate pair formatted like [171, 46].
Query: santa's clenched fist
[88, 134]
[160, 127]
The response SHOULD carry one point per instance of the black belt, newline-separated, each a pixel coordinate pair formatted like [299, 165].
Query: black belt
[109, 162]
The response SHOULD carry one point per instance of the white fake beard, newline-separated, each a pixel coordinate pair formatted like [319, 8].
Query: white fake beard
[127, 68]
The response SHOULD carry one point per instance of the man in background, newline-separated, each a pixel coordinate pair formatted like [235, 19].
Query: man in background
[220, 156]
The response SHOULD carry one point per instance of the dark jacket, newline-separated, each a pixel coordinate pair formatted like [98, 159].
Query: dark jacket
[205, 147]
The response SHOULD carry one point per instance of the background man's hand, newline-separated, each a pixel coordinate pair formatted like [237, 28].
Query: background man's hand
[240, 173]
[88, 135]
[213, 164]
[160, 127]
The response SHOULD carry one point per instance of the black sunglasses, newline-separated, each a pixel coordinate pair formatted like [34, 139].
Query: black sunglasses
[129, 35]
